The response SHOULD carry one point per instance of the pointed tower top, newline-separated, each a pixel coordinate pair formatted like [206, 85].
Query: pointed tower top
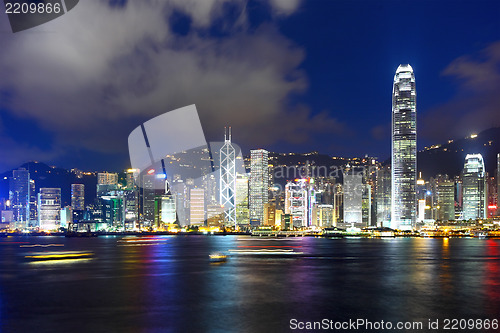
[229, 133]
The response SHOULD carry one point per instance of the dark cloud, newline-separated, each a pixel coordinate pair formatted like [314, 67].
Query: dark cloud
[477, 104]
[93, 75]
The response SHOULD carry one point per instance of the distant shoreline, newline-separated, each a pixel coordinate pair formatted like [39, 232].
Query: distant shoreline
[166, 233]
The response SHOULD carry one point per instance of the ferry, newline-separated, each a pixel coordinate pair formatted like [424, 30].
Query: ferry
[62, 255]
[218, 257]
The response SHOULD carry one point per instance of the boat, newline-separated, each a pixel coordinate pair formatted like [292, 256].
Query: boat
[76, 233]
[218, 257]
[62, 255]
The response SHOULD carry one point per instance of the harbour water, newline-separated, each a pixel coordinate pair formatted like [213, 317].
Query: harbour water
[168, 284]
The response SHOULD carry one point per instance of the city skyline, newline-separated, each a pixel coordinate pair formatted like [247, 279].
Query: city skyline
[249, 165]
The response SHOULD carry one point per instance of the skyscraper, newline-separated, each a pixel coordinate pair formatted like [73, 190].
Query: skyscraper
[446, 199]
[78, 196]
[383, 196]
[404, 149]
[148, 199]
[259, 183]
[106, 182]
[197, 206]
[474, 188]
[242, 212]
[353, 192]
[296, 202]
[227, 186]
[498, 184]
[33, 219]
[49, 208]
[19, 196]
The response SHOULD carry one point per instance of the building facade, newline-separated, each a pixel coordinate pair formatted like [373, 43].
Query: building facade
[404, 149]
[19, 196]
[474, 188]
[259, 183]
[49, 208]
[197, 206]
[78, 196]
[383, 196]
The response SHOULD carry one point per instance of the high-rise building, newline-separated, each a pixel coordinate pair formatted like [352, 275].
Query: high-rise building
[227, 186]
[296, 202]
[148, 194]
[353, 198]
[19, 196]
[106, 182]
[49, 208]
[459, 194]
[242, 211]
[107, 178]
[404, 149]
[446, 200]
[492, 196]
[181, 195]
[421, 199]
[325, 216]
[33, 205]
[338, 204]
[165, 212]
[66, 216]
[113, 210]
[259, 183]
[215, 215]
[197, 206]
[131, 176]
[269, 214]
[474, 188]
[78, 196]
[131, 205]
[383, 196]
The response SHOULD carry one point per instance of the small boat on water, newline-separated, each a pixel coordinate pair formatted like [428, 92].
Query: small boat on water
[62, 255]
[218, 257]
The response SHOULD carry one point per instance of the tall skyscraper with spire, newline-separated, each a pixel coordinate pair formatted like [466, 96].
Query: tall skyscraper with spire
[227, 188]
[404, 149]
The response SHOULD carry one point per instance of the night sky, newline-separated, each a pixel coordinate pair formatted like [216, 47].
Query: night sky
[286, 75]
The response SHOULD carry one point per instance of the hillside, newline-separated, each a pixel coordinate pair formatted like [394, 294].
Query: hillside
[47, 176]
[449, 158]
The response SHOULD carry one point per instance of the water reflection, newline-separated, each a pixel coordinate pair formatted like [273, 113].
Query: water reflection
[169, 285]
[491, 278]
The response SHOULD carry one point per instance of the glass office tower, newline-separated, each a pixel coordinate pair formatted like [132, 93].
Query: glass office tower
[474, 188]
[259, 183]
[404, 149]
